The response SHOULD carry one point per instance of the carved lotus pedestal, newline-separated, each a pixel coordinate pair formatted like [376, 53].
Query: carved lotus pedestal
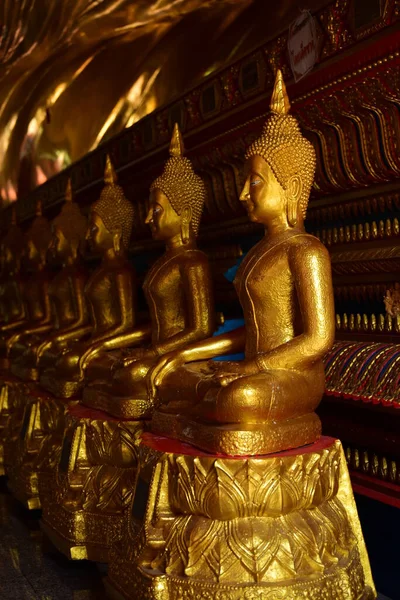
[36, 434]
[5, 411]
[12, 394]
[281, 526]
[86, 497]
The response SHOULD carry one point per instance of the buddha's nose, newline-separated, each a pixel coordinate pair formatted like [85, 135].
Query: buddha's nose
[245, 195]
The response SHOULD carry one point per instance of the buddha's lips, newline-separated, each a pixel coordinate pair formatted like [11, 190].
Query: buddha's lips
[249, 206]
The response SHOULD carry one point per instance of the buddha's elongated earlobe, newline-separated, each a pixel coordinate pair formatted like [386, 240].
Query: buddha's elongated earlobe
[186, 220]
[291, 211]
[117, 242]
[293, 194]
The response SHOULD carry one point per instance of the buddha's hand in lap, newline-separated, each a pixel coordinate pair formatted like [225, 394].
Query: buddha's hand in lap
[133, 357]
[226, 372]
[86, 357]
[42, 349]
[165, 365]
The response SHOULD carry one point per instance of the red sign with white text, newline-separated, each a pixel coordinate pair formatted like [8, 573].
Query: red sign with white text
[303, 45]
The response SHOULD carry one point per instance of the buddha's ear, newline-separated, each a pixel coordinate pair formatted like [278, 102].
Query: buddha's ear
[186, 220]
[117, 241]
[293, 192]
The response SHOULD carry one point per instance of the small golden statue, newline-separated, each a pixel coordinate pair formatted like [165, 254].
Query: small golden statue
[178, 289]
[245, 527]
[13, 308]
[26, 294]
[67, 308]
[67, 287]
[90, 501]
[42, 347]
[266, 402]
[110, 292]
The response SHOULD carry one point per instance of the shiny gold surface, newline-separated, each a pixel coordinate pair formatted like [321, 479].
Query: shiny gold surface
[39, 346]
[114, 60]
[178, 289]
[12, 300]
[110, 293]
[86, 496]
[282, 526]
[31, 287]
[265, 403]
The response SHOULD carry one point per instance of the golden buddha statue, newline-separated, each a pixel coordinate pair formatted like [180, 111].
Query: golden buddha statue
[266, 402]
[36, 316]
[41, 346]
[13, 307]
[282, 524]
[178, 289]
[110, 292]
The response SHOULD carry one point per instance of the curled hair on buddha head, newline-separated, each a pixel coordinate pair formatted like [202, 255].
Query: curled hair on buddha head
[283, 146]
[113, 207]
[183, 188]
[40, 231]
[71, 221]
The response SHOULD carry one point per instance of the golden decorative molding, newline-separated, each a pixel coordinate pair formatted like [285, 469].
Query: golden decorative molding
[368, 323]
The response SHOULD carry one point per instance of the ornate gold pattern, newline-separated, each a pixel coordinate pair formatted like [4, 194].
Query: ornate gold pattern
[366, 371]
[360, 232]
[373, 464]
[270, 527]
[368, 323]
[86, 496]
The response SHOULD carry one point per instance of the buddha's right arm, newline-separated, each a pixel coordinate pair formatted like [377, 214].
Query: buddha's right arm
[12, 325]
[231, 342]
[133, 338]
[72, 333]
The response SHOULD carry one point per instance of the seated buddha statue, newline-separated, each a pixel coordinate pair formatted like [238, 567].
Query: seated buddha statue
[178, 290]
[33, 284]
[66, 295]
[13, 307]
[110, 292]
[266, 402]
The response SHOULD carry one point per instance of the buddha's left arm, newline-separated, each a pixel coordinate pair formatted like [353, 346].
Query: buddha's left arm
[77, 291]
[311, 269]
[200, 310]
[48, 314]
[126, 292]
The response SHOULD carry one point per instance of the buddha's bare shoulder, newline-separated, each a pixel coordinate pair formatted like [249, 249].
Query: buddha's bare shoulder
[193, 258]
[305, 246]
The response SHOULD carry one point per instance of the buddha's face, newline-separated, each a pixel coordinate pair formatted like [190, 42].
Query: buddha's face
[59, 248]
[262, 194]
[98, 237]
[164, 222]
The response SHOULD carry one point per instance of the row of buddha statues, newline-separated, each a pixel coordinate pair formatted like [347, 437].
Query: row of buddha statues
[73, 343]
